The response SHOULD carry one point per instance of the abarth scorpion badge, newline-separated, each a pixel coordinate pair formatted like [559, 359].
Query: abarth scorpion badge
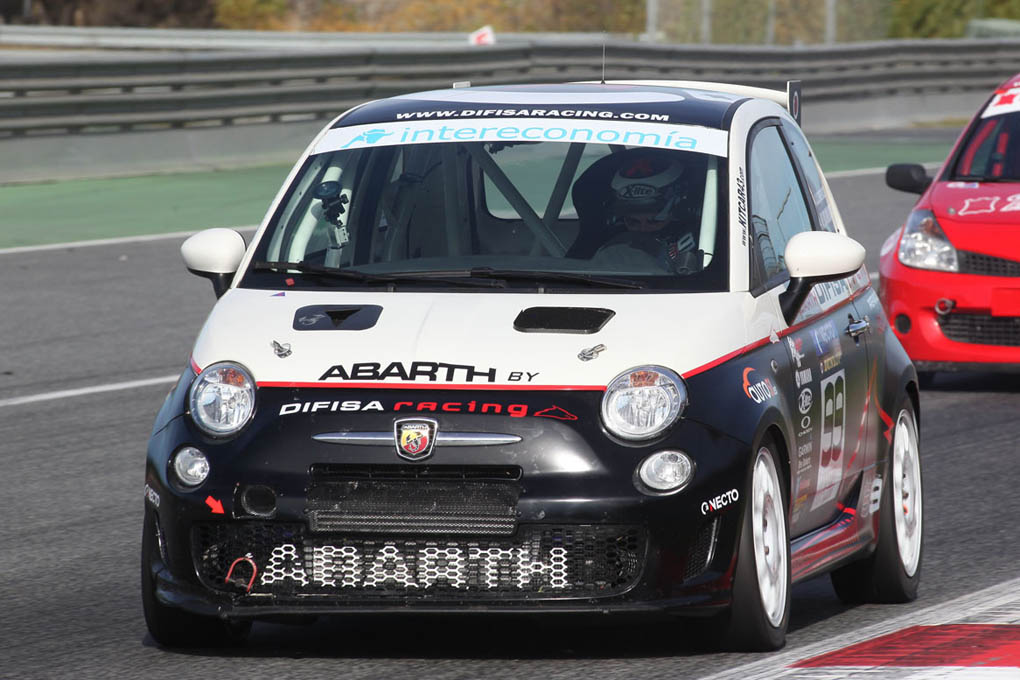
[415, 437]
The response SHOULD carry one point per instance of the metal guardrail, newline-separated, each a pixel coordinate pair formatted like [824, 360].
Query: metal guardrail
[153, 91]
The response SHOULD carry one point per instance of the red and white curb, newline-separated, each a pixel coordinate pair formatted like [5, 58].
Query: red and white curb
[974, 636]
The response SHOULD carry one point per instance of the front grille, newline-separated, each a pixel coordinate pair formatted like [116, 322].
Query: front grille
[539, 562]
[981, 329]
[986, 265]
[414, 500]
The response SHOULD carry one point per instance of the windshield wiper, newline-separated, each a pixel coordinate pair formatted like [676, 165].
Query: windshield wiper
[365, 277]
[540, 275]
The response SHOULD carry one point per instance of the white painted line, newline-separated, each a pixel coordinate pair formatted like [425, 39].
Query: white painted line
[776, 665]
[837, 174]
[113, 241]
[95, 389]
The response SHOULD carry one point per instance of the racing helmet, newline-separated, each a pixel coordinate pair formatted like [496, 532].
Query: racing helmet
[650, 184]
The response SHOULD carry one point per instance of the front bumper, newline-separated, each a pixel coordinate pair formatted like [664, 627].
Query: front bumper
[582, 537]
[982, 330]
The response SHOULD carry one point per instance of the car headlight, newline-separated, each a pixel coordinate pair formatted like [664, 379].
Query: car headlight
[222, 399]
[924, 245]
[643, 402]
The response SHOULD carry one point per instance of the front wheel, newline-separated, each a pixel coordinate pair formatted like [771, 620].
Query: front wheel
[893, 572]
[760, 613]
[171, 627]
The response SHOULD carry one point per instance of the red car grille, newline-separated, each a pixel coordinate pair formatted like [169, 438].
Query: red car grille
[981, 329]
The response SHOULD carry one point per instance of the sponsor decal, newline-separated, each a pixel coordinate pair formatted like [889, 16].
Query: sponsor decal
[415, 437]
[833, 435]
[215, 506]
[795, 345]
[963, 185]
[281, 350]
[1012, 204]
[830, 293]
[804, 401]
[151, 496]
[355, 405]
[742, 205]
[280, 294]
[875, 499]
[758, 391]
[555, 412]
[536, 113]
[827, 345]
[803, 377]
[348, 566]
[1005, 100]
[310, 319]
[540, 129]
[720, 501]
[431, 371]
[979, 205]
[367, 138]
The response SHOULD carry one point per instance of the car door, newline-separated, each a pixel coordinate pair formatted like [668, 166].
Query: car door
[828, 380]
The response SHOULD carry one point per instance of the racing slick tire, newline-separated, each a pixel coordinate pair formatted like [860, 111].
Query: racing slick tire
[171, 627]
[892, 573]
[760, 613]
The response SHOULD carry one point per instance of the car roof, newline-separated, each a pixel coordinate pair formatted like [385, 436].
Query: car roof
[681, 101]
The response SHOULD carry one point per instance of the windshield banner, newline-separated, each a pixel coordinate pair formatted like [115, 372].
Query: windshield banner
[663, 136]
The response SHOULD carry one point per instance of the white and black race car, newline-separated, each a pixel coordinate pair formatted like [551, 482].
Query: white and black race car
[560, 348]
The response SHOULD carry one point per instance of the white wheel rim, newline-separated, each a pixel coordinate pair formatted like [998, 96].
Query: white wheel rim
[768, 527]
[906, 492]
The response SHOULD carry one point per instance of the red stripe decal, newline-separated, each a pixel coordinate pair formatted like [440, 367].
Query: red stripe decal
[967, 645]
[887, 420]
[435, 386]
[194, 366]
[764, 341]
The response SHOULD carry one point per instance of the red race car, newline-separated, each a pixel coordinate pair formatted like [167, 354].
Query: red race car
[950, 276]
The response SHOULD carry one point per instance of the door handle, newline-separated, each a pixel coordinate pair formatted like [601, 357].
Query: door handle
[856, 328]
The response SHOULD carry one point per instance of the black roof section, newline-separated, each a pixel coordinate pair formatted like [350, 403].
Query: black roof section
[682, 105]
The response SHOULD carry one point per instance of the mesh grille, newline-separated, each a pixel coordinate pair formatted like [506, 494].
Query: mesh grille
[986, 265]
[540, 562]
[700, 553]
[982, 329]
[410, 500]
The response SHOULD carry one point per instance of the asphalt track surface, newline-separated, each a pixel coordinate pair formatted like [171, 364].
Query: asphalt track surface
[71, 499]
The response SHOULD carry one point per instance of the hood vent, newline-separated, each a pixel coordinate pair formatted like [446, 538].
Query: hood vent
[336, 317]
[581, 320]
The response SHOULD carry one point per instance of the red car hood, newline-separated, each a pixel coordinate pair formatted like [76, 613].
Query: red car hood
[980, 217]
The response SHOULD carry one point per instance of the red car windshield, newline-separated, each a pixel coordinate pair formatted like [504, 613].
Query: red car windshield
[992, 152]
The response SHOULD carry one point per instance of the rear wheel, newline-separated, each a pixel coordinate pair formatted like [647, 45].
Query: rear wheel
[760, 613]
[893, 572]
[171, 627]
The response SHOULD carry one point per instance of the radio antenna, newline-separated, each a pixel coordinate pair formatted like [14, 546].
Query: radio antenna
[603, 61]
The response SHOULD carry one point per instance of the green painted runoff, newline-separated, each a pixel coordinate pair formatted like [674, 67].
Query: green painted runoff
[81, 210]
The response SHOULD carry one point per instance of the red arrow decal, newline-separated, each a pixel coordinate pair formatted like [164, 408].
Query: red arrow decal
[214, 505]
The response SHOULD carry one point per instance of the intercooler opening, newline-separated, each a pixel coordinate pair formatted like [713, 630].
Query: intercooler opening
[416, 500]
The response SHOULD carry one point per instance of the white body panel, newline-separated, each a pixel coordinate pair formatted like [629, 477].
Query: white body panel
[679, 331]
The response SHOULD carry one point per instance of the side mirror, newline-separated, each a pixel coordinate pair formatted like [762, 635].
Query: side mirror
[214, 254]
[815, 257]
[909, 177]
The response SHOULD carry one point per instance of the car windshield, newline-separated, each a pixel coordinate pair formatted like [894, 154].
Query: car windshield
[538, 206]
[992, 152]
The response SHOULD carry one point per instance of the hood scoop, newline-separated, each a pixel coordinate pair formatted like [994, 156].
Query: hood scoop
[579, 320]
[336, 317]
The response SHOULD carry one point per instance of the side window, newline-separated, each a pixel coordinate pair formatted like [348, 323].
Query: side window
[777, 207]
[809, 169]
